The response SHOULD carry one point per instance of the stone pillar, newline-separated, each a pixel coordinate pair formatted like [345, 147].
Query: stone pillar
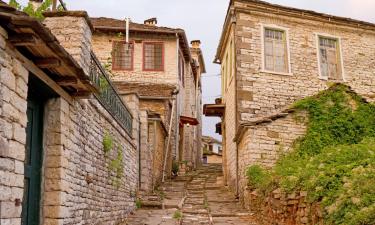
[55, 186]
[73, 30]
[132, 101]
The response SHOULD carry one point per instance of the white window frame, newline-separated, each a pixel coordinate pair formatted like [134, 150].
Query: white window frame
[338, 39]
[284, 29]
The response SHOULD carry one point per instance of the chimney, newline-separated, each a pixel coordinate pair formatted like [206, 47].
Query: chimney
[36, 3]
[151, 22]
[196, 44]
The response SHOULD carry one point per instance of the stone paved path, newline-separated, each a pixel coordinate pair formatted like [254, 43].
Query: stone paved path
[201, 198]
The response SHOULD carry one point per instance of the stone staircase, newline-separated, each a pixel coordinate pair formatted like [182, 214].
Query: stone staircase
[200, 197]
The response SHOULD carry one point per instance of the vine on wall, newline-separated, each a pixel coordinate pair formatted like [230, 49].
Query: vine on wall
[115, 165]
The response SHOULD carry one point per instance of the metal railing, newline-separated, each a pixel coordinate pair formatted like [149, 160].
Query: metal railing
[108, 96]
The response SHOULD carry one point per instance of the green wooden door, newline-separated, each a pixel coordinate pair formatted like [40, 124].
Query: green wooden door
[33, 162]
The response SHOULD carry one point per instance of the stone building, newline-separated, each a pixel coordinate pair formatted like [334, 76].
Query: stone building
[272, 56]
[159, 69]
[212, 150]
[68, 143]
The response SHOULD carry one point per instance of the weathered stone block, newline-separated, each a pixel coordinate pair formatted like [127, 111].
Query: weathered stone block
[8, 78]
[5, 193]
[10, 210]
[20, 70]
[7, 164]
[55, 198]
[245, 95]
[16, 150]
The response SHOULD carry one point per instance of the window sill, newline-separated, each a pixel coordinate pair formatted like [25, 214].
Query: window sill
[276, 73]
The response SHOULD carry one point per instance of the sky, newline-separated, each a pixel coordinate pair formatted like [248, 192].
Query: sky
[203, 20]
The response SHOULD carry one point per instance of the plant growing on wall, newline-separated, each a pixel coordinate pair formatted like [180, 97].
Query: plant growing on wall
[31, 11]
[335, 160]
[115, 165]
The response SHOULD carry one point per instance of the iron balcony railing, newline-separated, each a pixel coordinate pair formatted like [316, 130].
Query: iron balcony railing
[108, 95]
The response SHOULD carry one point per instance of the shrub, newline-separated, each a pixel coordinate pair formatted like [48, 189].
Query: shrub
[175, 167]
[177, 215]
[334, 162]
[258, 177]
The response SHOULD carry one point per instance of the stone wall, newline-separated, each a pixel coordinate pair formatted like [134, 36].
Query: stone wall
[13, 121]
[279, 208]
[263, 144]
[78, 183]
[229, 132]
[264, 93]
[215, 159]
[102, 46]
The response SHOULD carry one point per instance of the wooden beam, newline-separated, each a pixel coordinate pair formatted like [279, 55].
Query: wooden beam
[82, 94]
[67, 81]
[23, 40]
[32, 68]
[47, 63]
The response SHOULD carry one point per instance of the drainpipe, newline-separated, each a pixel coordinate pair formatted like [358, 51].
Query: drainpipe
[234, 22]
[177, 102]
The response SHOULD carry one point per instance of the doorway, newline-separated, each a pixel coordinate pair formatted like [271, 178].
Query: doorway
[38, 93]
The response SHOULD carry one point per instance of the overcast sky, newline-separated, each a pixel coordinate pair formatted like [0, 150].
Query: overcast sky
[203, 19]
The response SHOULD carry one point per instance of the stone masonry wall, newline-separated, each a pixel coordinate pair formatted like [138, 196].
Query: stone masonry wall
[262, 93]
[13, 121]
[102, 46]
[74, 35]
[279, 208]
[229, 129]
[78, 184]
[263, 144]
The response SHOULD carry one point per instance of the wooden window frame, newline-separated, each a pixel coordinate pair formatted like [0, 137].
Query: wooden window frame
[288, 63]
[115, 68]
[339, 52]
[162, 56]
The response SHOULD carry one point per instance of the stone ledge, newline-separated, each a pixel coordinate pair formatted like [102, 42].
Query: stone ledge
[82, 14]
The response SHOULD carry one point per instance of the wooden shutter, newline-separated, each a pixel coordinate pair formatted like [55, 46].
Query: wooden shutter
[329, 58]
[275, 51]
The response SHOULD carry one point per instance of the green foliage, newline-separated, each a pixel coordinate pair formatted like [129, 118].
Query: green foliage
[177, 215]
[175, 167]
[15, 4]
[29, 9]
[103, 84]
[115, 165]
[334, 162]
[107, 143]
[259, 178]
[336, 116]
[138, 203]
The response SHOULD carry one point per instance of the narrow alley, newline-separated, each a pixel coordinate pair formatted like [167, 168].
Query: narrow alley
[199, 197]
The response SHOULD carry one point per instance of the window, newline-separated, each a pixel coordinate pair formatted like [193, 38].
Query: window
[181, 69]
[153, 56]
[122, 56]
[276, 58]
[329, 58]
